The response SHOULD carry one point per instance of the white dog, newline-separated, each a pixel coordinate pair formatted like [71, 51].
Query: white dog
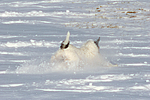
[69, 55]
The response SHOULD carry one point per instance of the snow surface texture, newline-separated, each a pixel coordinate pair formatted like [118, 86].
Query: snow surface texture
[32, 31]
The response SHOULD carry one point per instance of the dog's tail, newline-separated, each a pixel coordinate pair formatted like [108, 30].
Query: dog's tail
[66, 42]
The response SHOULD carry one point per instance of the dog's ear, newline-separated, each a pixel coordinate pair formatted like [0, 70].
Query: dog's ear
[97, 42]
[66, 42]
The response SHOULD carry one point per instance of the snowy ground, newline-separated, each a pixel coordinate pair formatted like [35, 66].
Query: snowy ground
[31, 31]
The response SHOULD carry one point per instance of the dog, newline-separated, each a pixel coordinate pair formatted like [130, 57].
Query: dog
[69, 55]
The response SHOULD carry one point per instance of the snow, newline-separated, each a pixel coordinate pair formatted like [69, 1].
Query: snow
[32, 31]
